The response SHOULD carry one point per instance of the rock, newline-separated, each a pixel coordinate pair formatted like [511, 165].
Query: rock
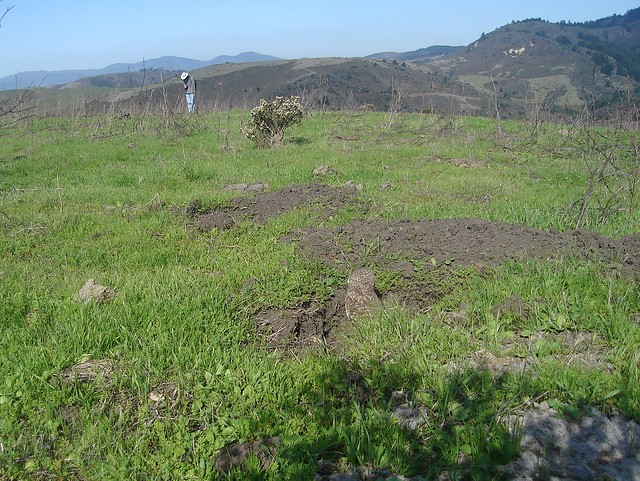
[94, 291]
[236, 187]
[361, 298]
[595, 447]
[324, 170]
[259, 187]
[351, 184]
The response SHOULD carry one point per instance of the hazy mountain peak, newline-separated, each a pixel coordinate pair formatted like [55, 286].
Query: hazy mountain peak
[44, 78]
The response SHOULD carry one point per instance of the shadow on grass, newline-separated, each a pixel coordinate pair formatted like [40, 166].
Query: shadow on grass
[300, 140]
[368, 428]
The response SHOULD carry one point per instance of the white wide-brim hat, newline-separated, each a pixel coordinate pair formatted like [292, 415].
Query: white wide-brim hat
[184, 75]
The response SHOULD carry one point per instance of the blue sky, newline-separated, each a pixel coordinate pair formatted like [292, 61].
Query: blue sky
[87, 34]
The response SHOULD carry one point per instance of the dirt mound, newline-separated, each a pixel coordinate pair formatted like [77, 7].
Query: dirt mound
[407, 245]
[94, 291]
[419, 251]
[266, 205]
[423, 252]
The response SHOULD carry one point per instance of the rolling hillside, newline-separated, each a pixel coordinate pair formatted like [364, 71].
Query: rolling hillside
[327, 83]
[43, 78]
[561, 65]
[520, 69]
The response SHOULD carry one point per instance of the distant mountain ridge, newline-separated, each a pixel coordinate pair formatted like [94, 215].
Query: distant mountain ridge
[517, 70]
[421, 55]
[44, 78]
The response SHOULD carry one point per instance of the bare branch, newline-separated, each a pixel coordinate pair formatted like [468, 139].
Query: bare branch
[5, 13]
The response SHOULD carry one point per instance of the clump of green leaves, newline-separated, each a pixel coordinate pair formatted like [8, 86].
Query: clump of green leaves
[271, 118]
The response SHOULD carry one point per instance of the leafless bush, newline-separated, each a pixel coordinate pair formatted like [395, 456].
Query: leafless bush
[396, 103]
[14, 107]
[351, 102]
[438, 124]
[535, 106]
[495, 103]
[315, 97]
[612, 163]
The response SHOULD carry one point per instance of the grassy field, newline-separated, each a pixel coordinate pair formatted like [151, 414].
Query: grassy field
[176, 376]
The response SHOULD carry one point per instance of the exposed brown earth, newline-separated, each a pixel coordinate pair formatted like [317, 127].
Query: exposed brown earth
[419, 251]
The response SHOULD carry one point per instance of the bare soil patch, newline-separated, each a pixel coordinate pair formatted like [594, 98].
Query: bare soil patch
[266, 205]
[237, 454]
[425, 254]
[422, 253]
[402, 245]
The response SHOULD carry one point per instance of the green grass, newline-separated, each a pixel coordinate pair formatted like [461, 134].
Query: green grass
[96, 198]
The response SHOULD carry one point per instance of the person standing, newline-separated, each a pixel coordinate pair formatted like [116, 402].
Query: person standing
[189, 90]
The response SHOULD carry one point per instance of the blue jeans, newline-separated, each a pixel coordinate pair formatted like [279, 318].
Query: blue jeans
[191, 102]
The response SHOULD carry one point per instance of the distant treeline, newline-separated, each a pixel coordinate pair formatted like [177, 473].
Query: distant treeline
[627, 62]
